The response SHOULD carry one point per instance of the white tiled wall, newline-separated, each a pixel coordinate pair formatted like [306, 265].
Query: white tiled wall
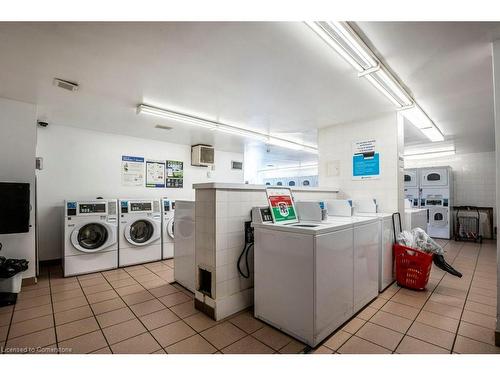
[220, 238]
[335, 160]
[474, 177]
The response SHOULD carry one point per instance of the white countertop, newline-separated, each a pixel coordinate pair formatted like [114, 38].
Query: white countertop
[231, 186]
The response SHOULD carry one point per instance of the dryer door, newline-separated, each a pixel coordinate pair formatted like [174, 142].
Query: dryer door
[170, 228]
[142, 232]
[438, 217]
[434, 177]
[91, 237]
[411, 178]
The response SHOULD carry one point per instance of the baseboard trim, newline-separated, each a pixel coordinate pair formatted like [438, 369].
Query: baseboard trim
[52, 262]
[497, 338]
[207, 310]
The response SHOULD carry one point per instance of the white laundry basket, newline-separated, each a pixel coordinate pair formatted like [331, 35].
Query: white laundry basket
[11, 284]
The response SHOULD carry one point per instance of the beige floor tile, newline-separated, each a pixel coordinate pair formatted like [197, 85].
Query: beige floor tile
[105, 350]
[106, 306]
[353, 325]
[67, 294]
[5, 319]
[399, 309]
[483, 292]
[142, 344]
[485, 300]
[163, 290]
[378, 303]
[131, 289]
[152, 284]
[147, 307]
[432, 335]
[366, 313]
[444, 290]
[438, 321]
[356, 345]
[477, 333]
[444, 310]
[411, 345]
[33, 340]
[114, 317]
[172, 333]
[97, 288]
[394, 322]
[481, 308]
[123, 281]
[322, 350]
[337, 340]
[466, 345]
[33, 293]
[389, 292]
[102, 296]
[405, 299]
[247, 322]
[139, 297]
[3, 333]
[272, 337]
[33, 302]
[223, 335]
[192, 345]
[93, 281]
[76, 328]
[159, 319]
[72, 315]
[87, 343]
[200, 322]
[69, 304]
[123, 331]
[35, 312]
[380, 335]
[185, 309]
[247, 345]
[65, 287]
[174, 299]
[293, 347]
[146, 277]
[90, 276]
[29, 326]
[482, 320]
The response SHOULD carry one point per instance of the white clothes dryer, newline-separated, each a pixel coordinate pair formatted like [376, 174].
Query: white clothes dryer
[168, 211]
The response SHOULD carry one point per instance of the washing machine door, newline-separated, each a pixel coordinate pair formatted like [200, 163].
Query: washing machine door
[142, 232]
[92, 237]
[438, 217]
[170, 228]
[434, 177]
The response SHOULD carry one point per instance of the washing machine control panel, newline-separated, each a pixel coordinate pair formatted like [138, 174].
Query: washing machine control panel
[92, 208]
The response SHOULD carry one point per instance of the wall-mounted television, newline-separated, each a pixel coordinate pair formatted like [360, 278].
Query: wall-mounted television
[14, 207]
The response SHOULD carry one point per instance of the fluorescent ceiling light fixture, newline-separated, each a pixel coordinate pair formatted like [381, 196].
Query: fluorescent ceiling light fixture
[343, 39]
[290, 167]
[430, 155]
[225, 128]
[428, 150]
[176, 116]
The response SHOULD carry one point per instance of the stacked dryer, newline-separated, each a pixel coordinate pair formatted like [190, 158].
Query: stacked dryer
[436, 195]
[412, 188]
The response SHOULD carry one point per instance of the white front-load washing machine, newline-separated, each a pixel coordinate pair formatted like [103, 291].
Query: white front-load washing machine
[90, 236]
[140, 231]
[168, 210]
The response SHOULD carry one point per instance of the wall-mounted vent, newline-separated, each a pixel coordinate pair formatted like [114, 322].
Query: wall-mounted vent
[66, 85]
[238, 165]
[163, 127]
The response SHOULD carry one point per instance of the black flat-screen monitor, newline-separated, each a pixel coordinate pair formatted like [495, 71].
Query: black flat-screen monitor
[14, 207]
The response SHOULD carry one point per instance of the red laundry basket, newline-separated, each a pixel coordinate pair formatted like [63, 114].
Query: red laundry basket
[413, 267]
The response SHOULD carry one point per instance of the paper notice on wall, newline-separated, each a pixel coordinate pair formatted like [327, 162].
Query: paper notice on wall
[175, 174]
[365, 160]
[155, 174]
[132, 171]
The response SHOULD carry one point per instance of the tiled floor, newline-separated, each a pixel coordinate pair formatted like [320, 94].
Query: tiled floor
[140, 310]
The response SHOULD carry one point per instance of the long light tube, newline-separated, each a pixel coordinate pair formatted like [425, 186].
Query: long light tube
[343, 39]
[430, 155]
[225, 128]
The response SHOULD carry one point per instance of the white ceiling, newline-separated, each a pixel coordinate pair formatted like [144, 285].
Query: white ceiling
[448, 68]
[277, 77]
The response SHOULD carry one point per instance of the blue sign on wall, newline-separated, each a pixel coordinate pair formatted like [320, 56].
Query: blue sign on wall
[365, 166]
